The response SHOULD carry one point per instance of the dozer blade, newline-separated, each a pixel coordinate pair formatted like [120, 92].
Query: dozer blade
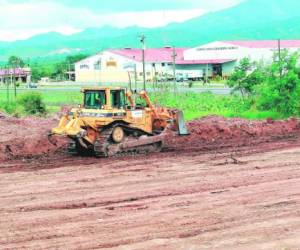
[182, 129]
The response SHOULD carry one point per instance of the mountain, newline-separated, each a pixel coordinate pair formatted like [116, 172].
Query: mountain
[251, 19]
[238, 21]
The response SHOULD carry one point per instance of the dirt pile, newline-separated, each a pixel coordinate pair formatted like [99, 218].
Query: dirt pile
[26, 137]
[217, 130]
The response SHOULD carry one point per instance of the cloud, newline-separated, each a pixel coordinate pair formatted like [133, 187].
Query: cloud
[21, 19]
[137, 5]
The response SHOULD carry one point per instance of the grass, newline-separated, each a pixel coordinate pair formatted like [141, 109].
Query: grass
[53, 99]
[194, 105]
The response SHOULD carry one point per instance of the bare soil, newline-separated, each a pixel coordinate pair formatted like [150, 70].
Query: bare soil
[231, 184]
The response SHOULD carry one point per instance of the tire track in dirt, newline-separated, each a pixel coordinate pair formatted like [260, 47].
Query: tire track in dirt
[232, 184]
[178, 202]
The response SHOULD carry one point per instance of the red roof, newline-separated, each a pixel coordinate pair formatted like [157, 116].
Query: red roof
[16, 71]
[151, 55]
[260, 44]
[163, 55]
[212, 61]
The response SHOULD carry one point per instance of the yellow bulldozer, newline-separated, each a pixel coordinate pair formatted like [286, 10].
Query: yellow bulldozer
[110, 123]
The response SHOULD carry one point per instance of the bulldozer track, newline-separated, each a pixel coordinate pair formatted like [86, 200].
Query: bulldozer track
[146, 149]
[104, 146]
[102, 143]
[72, 149]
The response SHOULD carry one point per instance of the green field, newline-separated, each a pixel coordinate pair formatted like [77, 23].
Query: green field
[194, 105]
[53, 99]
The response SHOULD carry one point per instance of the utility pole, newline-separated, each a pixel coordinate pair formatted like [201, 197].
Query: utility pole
[14, 80]
[130, 82]
[7, 84]
[143, 38]
[11, 76]
[69, 73]
[28, 66]
[174, 55]
[206, 74]
[135, 78]
[155, 78]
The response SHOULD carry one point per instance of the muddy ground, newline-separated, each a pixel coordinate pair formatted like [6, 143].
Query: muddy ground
[232, 184]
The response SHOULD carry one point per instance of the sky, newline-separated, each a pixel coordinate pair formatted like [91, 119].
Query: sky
[21, 19]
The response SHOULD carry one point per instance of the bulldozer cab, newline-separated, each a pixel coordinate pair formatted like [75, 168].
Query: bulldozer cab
[104, 98]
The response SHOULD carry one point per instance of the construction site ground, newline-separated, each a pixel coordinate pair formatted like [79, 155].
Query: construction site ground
[231, 184]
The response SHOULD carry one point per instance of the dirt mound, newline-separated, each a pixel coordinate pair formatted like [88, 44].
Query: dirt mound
[218, 130]
[26, 137]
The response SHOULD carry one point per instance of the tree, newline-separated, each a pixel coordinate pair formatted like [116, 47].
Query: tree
[75, 58]
[15, 62]
[53, 69]
[67, 65]
[281, 88]
[246, 76]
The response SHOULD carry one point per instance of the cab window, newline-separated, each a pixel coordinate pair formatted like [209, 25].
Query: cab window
[118, 99]
[94, 99]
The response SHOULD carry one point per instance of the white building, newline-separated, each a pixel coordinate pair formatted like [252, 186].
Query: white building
[233, 51]
[121, 64]
[212, 59]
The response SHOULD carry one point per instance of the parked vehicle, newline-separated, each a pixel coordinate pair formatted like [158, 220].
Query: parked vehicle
[189, 75]
[32, 85]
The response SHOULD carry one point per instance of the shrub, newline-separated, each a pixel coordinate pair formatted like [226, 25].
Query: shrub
[32, 103]
[281, 89]
[9, 108]
[218, 78]
[246, 76]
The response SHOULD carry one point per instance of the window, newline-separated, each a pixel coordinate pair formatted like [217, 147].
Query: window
[111, 64]
[97, 65]
[118, 99]
[94, 99]
[84, 66]
[163, 64]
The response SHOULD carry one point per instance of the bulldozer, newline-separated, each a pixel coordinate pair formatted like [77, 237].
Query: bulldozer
[110, 122]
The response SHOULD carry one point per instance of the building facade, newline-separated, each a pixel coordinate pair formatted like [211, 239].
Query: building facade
[206, 61]
[18, 74]
[233, 51]
[125, 64]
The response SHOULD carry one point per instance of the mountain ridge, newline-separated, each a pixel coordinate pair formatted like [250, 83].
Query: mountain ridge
[250, 20]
